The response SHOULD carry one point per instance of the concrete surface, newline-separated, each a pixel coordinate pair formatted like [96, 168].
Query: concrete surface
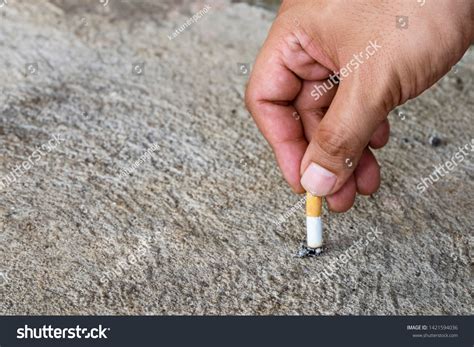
[192, 229]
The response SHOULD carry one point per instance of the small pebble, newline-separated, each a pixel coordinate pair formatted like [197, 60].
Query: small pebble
[459, 84]
[435, 141]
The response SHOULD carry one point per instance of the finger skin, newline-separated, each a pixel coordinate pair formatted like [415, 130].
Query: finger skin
[311, 110]
[305, 101]
[344, 198]
[367, 174]
[311, 120]
[285, 135]
[381, 135]
[301, 63]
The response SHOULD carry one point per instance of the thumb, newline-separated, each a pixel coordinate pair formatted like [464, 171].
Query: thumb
[340, 138]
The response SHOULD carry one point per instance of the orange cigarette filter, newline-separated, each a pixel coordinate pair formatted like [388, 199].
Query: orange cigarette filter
[313, 205]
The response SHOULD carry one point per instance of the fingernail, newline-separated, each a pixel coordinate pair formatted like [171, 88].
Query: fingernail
[317, 180]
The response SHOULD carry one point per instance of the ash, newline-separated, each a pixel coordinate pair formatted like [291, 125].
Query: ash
[308, 252]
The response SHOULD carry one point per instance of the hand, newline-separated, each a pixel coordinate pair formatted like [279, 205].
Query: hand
[321, 131]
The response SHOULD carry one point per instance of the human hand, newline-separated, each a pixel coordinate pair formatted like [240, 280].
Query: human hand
[321, 132]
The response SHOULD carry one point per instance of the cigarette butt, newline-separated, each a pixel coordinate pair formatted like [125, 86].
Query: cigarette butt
[314, 225]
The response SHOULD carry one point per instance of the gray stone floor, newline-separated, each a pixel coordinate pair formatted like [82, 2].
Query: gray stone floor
[191, 228]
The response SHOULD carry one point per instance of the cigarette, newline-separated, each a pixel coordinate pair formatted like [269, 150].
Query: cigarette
[314, 225]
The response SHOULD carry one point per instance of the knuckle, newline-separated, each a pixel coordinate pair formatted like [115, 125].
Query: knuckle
[338, 143]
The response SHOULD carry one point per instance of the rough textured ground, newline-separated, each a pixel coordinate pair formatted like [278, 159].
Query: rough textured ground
[192, 230]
